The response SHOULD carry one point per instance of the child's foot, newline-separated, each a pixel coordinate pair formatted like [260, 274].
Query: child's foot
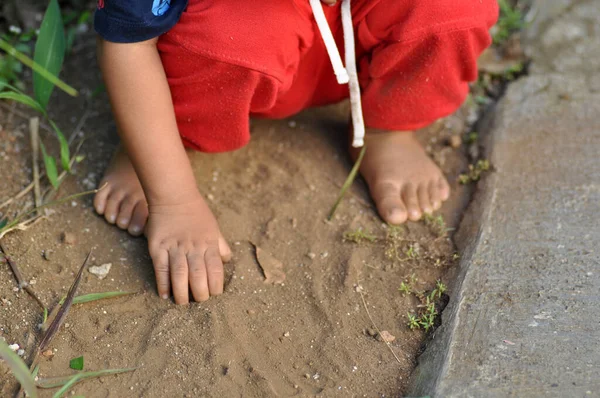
[122, 201]
[404, 182]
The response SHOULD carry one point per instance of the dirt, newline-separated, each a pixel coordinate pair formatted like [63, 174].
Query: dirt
[308, 335]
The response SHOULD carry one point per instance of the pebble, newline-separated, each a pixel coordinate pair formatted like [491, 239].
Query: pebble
[286, 334]
[48, 354]
[251, 312]
[101, 271]
[46, 254]
[311, 255]
[292, 123]
[21, 352]
[455, 141]
[68, 238]
[371, 332]
[13, 347]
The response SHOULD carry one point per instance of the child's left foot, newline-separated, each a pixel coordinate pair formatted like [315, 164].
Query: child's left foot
[404, 182]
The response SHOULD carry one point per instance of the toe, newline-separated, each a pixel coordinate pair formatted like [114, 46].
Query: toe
[411, 200]
[126, 212]
[138, 219]
[179, 275]
[435, 196]
[389, 203]
[424, 199]
[444, 189]
[198, 275]
[113, 203]
[100, 199]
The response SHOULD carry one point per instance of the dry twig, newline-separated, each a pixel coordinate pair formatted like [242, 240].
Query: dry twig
[17, 273]
[376, 328]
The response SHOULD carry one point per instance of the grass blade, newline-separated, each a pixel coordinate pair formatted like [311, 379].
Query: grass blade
[49, 51]
[348, 182]
[37, 68]
[75, 379]
[23, 99]
[50, 165]
[54, 382]
[64, 309]
[65, 155]
[18, 369]
[86, 298]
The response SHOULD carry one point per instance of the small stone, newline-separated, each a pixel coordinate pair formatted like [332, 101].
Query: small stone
[311, 255]
[47, 254]
[14, 347]
[21, 352]
[307, 375]
[286, 334]
[386, 336]
[371, 332]
[292, 123]
[251, 312]
[316, 376]
[455, 141]
[100, 270]
[324, 254]
[294, 222]
[48, 354]
[68, 238]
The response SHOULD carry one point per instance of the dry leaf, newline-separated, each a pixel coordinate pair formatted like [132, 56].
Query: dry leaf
[386, 336]
[272, 268]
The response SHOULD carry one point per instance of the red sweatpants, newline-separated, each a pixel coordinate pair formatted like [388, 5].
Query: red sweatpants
[226, 60]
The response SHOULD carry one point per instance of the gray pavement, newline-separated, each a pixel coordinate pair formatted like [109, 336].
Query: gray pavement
[524, 317]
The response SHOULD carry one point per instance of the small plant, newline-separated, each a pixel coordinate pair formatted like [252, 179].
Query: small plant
[405, 288]
[47, 62]
[413, 252]
[510, 21]
[413, 321]
[436, 224]
[475, 172]
[359, 236]
[426, 318]
[472, 137]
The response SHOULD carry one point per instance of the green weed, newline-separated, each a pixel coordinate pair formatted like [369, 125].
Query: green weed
[426, 317]
[436, 224]
[359, 236]
[475, 172]
[511, 20]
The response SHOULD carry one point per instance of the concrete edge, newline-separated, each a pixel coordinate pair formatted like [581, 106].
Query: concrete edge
[433, 362]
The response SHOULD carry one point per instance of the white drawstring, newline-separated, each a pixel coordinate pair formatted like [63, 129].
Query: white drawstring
[348, 74]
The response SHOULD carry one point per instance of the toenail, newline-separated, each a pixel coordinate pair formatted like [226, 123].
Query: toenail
[124, 220]
[112, 218]
[164, 297]
[135, 229]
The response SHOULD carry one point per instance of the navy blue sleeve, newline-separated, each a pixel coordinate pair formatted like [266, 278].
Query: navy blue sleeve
[130, 21]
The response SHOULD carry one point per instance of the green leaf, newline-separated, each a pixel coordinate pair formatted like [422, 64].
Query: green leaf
[23, 99]
[67, 386]
[37, 68]
[49, 51]
[18, 369]
[76, 363]
[53, 382]
[86, 298]
[65, 154]
[50, 164]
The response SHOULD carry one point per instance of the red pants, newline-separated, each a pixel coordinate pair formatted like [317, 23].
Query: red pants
[226, 60]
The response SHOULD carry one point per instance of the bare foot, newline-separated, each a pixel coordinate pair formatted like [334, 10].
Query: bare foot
[122, 201]
[404, 182]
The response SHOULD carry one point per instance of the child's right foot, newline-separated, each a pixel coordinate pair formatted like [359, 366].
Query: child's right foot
[122, 201]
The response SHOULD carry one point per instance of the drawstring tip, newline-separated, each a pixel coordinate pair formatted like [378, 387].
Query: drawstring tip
[342, 77]
[358, 143]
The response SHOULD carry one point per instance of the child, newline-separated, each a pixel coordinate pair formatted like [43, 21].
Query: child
[191, 73]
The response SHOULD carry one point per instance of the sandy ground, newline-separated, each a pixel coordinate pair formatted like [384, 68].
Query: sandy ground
[308, 336]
